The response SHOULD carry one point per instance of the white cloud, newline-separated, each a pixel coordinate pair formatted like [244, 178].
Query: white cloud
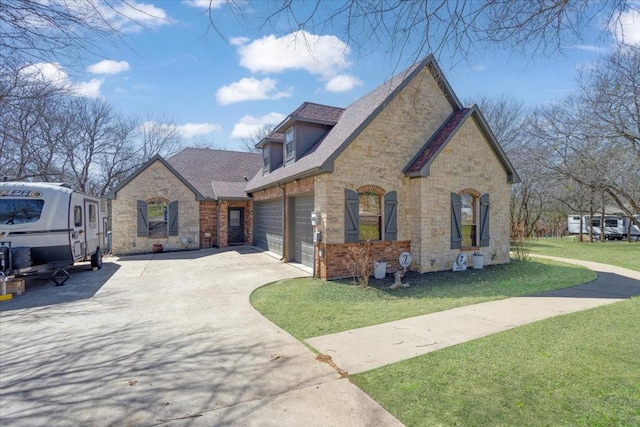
[190, 130]
[205, 4]
[626, 27]
[249, 126]
[249, 89]
[238, 41]
[342, 83]
[50, 73]
[127, 16]
[320, 55]
[90, 89]
[108, 66]
[54, 75]
[589, 48]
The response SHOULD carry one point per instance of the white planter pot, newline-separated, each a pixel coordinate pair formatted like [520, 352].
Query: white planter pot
[478, 262]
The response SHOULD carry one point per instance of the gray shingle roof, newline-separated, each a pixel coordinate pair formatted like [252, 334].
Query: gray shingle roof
[202, 166]
[419, 165]
[352, 121]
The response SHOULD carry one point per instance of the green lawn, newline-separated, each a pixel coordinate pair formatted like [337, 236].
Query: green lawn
[311, 307]
[580, 369]
[621, 254]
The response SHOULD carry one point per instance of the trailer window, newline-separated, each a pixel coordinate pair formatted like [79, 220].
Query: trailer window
[20, 211]
[93, 218]
[77, 216]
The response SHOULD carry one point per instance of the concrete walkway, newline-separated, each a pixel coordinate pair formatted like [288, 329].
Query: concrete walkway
[371, 347]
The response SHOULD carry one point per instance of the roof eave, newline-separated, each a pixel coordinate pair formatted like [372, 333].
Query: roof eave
[143, 167]
[290, 178]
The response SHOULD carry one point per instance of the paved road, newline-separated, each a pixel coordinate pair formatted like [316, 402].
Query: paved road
[166, 339]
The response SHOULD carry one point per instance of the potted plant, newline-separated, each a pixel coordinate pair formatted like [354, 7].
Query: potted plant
[157, 248]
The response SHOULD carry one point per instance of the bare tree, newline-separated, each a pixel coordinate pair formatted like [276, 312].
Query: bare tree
[414, 27]
[249, 144]
[592, 137]
[158, 136]
[31, 125]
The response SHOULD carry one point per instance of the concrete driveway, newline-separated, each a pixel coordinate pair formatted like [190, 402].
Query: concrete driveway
[166, 339]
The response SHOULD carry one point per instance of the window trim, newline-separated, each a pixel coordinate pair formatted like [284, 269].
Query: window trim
[362, 215]
[290, 132]
[481, 212]
[388, 222]
[475, 221]
[266, 159]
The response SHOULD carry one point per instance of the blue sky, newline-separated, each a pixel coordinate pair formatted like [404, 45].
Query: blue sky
[172, 67]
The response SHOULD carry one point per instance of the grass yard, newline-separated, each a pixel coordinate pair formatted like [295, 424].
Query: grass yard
[310, 307]
[580, 369]
[621, 254]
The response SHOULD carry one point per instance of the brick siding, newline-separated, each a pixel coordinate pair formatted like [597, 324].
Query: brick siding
[332, 264]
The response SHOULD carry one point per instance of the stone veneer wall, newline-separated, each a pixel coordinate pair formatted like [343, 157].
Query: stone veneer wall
[333, 264]
[466, 162]
[155, 181]
[378, 155]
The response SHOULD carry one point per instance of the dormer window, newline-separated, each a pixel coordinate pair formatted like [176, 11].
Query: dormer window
[265, 158]
[289, 150]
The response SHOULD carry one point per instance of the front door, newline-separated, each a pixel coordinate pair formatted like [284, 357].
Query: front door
[236, 225]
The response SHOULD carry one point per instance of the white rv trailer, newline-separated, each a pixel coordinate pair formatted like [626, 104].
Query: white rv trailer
[616, 227]
[630, 229]
[573, 225]
[59, 227]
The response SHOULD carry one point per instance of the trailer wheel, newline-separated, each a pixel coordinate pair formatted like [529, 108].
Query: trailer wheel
[96, 259]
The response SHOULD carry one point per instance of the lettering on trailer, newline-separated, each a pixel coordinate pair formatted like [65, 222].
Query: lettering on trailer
[20, 193]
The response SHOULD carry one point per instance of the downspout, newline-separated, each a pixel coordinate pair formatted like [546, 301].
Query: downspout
[217, 223]
[284, 206]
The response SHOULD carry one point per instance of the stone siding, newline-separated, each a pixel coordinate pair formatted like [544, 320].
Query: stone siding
[378, 155]
[467, 162]
[155, 181]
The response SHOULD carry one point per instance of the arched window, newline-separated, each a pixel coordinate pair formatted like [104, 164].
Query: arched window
[370, 214]
[469, 219]
[157, 217]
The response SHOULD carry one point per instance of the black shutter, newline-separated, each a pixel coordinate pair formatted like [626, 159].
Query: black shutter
[173, 218]
[456, 221]
[391, 216]
[484, 220]
[351, 218]
[143, 225]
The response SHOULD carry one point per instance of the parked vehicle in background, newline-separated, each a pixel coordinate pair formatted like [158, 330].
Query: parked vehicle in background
[49, 226]
[615, 227]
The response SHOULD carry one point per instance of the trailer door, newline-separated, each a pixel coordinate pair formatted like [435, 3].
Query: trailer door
[91, 227]
[77, 238]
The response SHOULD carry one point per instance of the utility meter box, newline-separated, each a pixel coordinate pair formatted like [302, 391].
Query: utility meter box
[315, 218]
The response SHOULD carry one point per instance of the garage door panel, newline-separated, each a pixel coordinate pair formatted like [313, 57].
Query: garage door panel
[268, 226]
[303, 248]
